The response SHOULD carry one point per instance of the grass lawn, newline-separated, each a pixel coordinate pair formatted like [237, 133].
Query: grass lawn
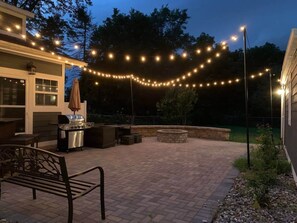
[238, 134]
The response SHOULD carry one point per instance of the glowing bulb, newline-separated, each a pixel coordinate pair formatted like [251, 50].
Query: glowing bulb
[96, 83]
[33, 43]
[195, 70]
[18, 27]
[42, 48]
[184, 55]
[52, 53]
[253, 76]
[143, 59]
[187, 85]
[223, 43]
[209, 61]
[224, 47]
[200, 85]
[207, 84]
[110, 56]
[280, 91]
[267, 69]
[230, 82]
[189, 74]
[128, 58]
[234, 38]
[37, 35]
[260, 74]
[184, 77]
[57, 42]
[171, 57]
[218, 54]
[237, 80]
[93, 52]
[157, 58]
[76, 47]
[24, 36]
[8, 29]
[222, 83]
[242, 28]
[209, 48]
[194, 85]
[202, 66]
[215, 83]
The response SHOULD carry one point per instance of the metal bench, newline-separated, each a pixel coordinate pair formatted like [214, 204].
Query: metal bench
[47, 172]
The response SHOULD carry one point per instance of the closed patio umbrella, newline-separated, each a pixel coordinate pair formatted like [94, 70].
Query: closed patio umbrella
[74, 101]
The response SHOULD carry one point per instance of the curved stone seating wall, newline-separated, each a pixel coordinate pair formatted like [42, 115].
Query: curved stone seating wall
[172, 135]
[193, 131]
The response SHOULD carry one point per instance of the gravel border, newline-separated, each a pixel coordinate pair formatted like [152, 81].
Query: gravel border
[238, 204]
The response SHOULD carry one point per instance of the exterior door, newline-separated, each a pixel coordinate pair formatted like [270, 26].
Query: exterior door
[12, 100]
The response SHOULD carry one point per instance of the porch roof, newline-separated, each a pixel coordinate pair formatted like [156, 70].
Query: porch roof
[22, 50]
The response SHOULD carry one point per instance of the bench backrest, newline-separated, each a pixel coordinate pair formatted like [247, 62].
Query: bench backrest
[17, 159]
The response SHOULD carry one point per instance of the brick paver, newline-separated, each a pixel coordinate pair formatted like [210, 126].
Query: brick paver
[146, 182]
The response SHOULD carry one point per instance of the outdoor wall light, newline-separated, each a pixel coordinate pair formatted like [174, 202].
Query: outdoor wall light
[31, 68]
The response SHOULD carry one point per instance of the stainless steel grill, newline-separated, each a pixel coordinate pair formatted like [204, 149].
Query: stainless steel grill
[71, 131]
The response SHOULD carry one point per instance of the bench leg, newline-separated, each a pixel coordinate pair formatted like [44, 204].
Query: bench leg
[34, 194]
[70, 210]
[102, 203]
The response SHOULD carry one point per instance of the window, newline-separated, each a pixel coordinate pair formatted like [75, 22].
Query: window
[12, 100]
[46, 92]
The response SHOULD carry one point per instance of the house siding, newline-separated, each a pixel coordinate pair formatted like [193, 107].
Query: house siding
[20, 63]
[44, 124]
[290, 139]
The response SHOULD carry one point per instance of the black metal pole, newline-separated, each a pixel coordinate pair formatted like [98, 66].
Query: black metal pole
[271, 111]
[246, 99]
[132, 102]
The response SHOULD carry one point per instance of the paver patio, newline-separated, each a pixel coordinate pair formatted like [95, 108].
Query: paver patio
[146, 182]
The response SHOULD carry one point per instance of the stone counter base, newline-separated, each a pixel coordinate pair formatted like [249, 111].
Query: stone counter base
[193, 131]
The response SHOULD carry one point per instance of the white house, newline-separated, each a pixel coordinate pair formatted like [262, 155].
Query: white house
[289, 101]
[32, 81]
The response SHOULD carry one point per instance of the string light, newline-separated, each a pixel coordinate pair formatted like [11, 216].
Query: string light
[143, 59]
[127, 57]
[110, 56]
[171, 83]
[171, 57]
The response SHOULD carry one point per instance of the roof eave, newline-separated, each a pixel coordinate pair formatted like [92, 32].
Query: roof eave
[38, 54]
[289, 56]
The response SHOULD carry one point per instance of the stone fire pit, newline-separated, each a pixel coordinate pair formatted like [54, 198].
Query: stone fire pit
[172, 135]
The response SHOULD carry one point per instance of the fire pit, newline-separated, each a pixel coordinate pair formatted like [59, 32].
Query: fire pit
[172, 135]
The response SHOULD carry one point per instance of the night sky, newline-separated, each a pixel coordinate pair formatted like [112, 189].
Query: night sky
[266, 20]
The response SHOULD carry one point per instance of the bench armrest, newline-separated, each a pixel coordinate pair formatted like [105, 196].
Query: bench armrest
[87, 171]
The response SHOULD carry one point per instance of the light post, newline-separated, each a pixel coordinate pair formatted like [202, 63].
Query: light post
[246, 97]
[132, 102]
[270, 89]
[271, 105]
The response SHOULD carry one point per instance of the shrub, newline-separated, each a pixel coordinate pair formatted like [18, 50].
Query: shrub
[266, 163]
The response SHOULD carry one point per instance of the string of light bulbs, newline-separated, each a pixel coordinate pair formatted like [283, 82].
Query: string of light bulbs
[144, 81]
[217, 83]
[142, 58]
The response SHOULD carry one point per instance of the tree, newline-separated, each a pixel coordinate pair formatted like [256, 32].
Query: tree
[177, 104]
[81, 27]
[161, 32]
[52, 29]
